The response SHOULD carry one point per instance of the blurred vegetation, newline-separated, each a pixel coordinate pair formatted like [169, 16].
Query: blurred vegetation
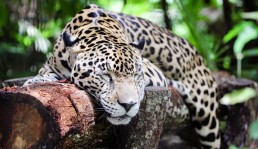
[225, 32]
[239, 96]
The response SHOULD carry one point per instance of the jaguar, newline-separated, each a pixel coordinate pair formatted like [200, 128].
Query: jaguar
[114, 56]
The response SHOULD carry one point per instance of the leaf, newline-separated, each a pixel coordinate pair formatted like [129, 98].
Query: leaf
[199, 37]
[247, 34]
[234, 31]
[3, 15]
[238, 96]
[250, 15]
[250, 52]
[7, 48]
[235, 147]
[253, 130]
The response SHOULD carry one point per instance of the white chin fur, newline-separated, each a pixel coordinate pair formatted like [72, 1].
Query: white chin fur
[119, 120]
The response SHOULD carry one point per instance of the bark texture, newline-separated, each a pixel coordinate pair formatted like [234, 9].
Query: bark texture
[146, 129]
[236, 119]
[39, 115]
[239, 116]
[60, 115]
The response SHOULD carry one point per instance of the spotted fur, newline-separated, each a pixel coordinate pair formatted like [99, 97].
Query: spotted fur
[114, 56]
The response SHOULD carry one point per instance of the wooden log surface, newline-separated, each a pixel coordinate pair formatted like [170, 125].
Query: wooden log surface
[237, 117]
[146, 129]
[60, 115]
[30, 119]
[38, 115]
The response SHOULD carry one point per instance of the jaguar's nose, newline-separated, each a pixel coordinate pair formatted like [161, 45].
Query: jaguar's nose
[127, 106]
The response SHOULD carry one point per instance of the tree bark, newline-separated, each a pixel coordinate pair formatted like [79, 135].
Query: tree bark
[250, 5]
[167, 20]
[227, 14]
[239, 116]
[146, 129]
[60, 115]
[38, 116]
[236, 119]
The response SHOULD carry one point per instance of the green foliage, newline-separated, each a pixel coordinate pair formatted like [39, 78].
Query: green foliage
[253, 130]
[234, 147]
[238, 96]
[195, 29]
[244, 32]
[3, 16]
[21, 37]
[187, 17]
[216, 47]
[114, 5]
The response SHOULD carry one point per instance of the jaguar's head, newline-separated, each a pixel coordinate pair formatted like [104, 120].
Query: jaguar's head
[111, 71]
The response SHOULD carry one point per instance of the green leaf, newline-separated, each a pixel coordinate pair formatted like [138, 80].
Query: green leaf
[247, 34]
[3, 15]
[235, 147]
[28, 41]
[7, 48]
[238, 96]
[198, 35]
[234, 31]
[250, 15]
[253, 130]
[250, 52]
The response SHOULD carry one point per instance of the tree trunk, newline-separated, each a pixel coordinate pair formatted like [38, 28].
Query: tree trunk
[250, 5]
[164, 7]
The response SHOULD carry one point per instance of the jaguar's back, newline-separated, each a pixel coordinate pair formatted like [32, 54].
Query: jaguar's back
[98, 47]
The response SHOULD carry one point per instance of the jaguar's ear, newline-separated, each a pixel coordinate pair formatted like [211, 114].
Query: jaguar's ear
[69, 40]
[139, 45]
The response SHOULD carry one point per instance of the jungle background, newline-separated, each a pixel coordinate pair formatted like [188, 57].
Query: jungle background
[224, 31]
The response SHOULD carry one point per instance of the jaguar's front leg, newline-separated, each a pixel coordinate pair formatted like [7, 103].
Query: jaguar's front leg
[46, 74]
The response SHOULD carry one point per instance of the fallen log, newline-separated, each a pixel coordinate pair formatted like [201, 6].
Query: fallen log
[38, 115]
[60, 115]
[239, 116]
[236, 118]
[42, 119]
